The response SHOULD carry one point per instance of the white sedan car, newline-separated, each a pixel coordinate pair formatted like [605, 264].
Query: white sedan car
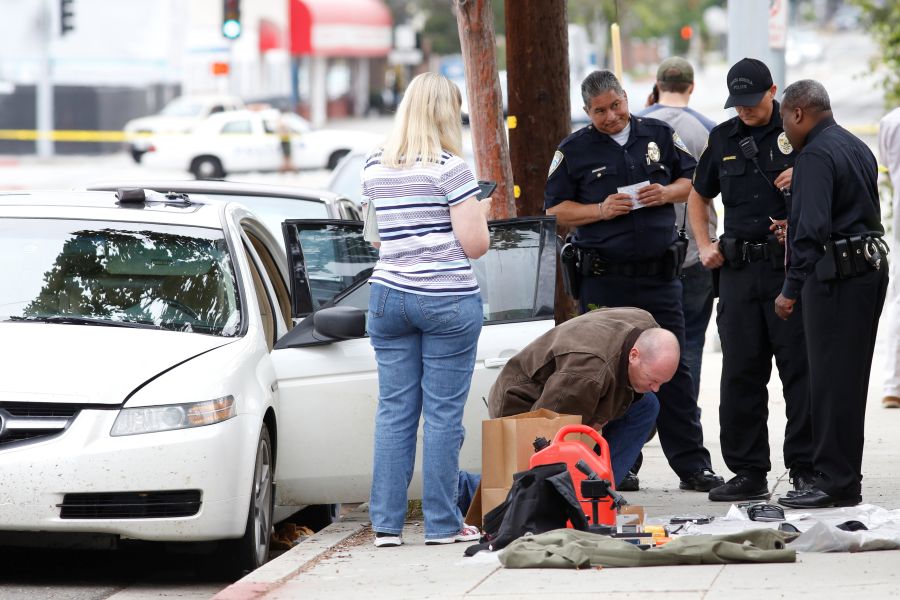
[244, 140]
[169, 375]
[177, 117]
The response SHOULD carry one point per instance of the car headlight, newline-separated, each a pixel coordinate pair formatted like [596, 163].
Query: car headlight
[150, 419]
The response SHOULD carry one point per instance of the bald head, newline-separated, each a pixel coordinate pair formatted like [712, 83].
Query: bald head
[653, 360]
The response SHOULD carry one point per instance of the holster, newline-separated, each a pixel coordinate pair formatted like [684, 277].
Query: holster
[674, 258]
[569, 259]
[729, 247]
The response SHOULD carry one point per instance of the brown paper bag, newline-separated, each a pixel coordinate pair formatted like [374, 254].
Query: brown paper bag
[506, 448]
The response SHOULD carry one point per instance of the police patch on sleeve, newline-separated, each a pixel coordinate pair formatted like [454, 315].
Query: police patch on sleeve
[784, 144]
[679, 143]
[557, 159]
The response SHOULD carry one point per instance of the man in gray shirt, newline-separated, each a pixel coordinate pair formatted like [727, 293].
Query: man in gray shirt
[675, 82]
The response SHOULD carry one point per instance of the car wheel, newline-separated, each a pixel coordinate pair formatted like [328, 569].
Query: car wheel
[207, 167]
[136, 155]
[335, 158]
[252, 550]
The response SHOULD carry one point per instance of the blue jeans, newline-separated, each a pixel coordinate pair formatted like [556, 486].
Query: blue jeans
[697, 300]
[627, 434]
[425, 348]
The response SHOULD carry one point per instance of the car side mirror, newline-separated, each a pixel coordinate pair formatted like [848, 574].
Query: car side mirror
[324, 327]
[338, 323]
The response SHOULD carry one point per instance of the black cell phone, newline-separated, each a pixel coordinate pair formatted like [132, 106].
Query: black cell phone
[486, 189]
[698, 519]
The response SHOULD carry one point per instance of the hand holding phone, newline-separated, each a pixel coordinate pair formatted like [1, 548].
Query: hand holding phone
[486, 188]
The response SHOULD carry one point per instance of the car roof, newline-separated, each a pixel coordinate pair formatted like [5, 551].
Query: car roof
[100, 205]
[230, 188]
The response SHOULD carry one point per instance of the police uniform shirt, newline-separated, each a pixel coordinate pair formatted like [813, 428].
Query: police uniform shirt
[835, 194]
[748, 193]
[589, 166]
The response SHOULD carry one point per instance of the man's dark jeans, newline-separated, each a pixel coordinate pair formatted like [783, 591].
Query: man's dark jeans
[697, 299]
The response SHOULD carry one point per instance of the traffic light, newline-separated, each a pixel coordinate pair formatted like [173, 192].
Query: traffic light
[687, 32]
[66, 16]
[231, 19]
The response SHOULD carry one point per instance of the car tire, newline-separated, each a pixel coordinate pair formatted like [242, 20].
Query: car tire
[251, 551]
[335, 158]
[136, 155]
[207, 167]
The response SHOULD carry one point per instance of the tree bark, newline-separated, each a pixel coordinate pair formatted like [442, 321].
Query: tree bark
[475, 20]
[537, 62]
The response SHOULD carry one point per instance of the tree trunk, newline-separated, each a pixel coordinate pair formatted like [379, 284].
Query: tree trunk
[537, 62]
[475, 19]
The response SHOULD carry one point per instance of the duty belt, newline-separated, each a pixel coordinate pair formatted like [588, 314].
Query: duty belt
[592, 264]
[847, 257]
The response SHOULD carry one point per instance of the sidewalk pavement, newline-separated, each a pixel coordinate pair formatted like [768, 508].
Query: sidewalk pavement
[340, 562]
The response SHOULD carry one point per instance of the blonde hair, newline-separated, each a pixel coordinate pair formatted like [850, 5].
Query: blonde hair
[428, 122]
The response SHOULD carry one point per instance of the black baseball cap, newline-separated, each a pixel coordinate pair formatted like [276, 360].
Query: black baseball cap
[748, 81]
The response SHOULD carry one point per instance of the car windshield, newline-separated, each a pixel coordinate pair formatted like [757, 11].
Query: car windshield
[117, 274]
[183, 107]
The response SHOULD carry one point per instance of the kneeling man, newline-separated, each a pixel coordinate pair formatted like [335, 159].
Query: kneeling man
[604, 365]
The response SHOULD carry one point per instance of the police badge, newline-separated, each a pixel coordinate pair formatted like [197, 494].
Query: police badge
[652, 153]
[783, 144]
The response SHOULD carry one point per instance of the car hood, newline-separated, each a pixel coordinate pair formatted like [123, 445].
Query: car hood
[158, 124]
[88, 364]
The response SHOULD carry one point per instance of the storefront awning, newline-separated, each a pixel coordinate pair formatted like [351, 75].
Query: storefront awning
[340, 28]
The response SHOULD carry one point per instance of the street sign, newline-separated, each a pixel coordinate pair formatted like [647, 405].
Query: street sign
[778, 23]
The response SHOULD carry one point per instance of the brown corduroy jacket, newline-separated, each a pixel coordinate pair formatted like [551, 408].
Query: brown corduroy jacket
[578, 368]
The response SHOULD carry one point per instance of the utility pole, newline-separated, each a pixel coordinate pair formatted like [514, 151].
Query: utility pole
[746, 19]
[537, 79]
[44, 89]
[537, 69]
[475, 20]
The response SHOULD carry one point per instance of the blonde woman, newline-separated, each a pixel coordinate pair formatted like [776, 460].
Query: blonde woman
[425, 311]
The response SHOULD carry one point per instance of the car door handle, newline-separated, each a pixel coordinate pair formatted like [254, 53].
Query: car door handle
[495, 363]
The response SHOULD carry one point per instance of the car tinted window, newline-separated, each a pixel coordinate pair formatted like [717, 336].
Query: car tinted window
[183, 107]
[517, 275]
[167, 277]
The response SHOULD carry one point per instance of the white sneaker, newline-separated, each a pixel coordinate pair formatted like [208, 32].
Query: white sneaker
[387, 540]
[468, 533]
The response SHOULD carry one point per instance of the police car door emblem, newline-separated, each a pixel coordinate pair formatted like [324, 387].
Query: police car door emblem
[783, 144]
[557, 159]
[652, 153]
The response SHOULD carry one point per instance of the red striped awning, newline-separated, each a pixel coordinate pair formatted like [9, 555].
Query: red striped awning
[347, 28]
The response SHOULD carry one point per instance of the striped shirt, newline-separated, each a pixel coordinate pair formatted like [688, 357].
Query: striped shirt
[419, 252]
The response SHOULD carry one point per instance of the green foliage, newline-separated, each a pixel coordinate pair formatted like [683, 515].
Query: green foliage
[884, 19]
[440, 28]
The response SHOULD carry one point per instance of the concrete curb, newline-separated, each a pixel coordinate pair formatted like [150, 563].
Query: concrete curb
[282, 569]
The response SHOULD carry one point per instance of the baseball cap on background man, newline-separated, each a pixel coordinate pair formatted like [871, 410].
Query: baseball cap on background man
[748, 81]
[675, 70]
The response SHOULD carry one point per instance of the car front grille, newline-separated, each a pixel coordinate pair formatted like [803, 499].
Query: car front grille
[25, 422]
[131, 505]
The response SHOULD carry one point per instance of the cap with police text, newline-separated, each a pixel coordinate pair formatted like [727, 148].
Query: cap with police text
[748, 81]
[675, 70]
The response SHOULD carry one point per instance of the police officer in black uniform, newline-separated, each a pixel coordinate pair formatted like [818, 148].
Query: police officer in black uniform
[625, 242]
[838, 265]
[749, 160]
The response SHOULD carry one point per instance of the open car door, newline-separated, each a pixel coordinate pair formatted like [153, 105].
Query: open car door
[328, 391]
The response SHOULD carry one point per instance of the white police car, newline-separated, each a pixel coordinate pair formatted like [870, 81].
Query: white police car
[154, 384]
